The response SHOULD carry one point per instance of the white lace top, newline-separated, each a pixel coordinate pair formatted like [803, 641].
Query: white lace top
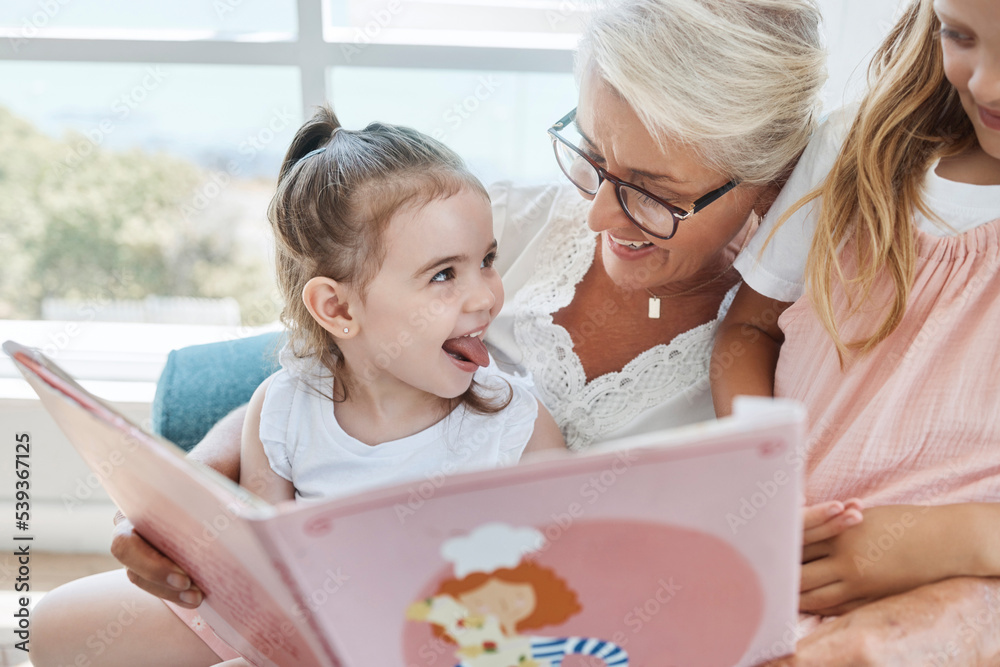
[545, 250]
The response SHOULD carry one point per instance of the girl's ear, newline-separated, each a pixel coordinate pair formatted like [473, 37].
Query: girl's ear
[329, 302]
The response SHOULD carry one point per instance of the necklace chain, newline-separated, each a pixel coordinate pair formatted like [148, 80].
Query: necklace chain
[654, 300]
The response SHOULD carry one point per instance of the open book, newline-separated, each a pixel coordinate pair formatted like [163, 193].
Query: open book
[674, 548]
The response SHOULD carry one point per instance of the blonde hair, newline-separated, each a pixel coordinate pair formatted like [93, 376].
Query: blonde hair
[337, 192]
[737, 80]
[910, 117]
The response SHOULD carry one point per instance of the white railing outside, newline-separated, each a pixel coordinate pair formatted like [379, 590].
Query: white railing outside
[152, 309]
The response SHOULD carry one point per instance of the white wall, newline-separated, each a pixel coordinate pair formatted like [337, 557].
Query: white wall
[854, 29]
[68, 507]
[117, 362]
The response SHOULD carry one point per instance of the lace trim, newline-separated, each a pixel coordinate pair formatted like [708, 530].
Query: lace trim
[586, 411]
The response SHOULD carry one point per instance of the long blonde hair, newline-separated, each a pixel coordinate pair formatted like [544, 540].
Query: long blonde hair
[910, 117]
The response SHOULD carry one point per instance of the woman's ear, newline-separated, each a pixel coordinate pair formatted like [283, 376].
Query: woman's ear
[765, 198]
[768, 193]
[329, 303]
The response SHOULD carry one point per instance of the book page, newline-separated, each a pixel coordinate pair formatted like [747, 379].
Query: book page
[662, 553]
[192, 514]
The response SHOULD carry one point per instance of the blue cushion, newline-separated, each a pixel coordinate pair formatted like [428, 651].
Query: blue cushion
[201, 384]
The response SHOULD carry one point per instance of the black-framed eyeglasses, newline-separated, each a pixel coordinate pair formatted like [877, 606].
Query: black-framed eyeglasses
[650, 213]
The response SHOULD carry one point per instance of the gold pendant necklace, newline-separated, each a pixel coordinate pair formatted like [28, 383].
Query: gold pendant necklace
[654, 301]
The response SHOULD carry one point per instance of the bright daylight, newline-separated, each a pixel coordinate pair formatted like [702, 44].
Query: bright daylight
[499, 333]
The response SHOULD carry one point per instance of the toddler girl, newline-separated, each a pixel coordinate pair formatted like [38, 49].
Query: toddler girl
[385, 254]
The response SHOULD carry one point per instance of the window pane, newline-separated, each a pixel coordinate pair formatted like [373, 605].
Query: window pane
[542, 23]
[496, 121]
[221, 17]
[119, 182]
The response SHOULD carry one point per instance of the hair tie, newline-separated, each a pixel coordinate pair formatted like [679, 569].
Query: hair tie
[311, 153]
[323, 148]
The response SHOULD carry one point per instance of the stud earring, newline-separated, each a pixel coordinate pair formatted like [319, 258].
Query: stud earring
[345, 329]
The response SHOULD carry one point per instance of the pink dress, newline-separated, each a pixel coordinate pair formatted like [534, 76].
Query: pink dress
[917, 421]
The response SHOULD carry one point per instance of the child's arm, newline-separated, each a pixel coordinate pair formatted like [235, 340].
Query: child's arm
[746, 349]
[898, 548]
[255, 470]
[546, 434]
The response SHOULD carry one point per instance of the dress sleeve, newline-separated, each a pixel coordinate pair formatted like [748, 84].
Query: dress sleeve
[512, 427]
[522, 411]
[777, 269]
[274, 420]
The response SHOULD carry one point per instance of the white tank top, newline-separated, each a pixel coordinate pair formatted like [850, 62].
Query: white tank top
[305, 445]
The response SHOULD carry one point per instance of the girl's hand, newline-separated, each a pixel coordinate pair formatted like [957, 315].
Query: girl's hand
[825, 520]
[895, 549]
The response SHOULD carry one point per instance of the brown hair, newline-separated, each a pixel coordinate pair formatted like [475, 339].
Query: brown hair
[331, 210]
[556, 602]
[910, 117]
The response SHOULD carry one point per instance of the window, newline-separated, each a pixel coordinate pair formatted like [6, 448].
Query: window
[495, 120]
[503, 23]
[140, 180]
[196, 102]
[190, 19]
[149, 136]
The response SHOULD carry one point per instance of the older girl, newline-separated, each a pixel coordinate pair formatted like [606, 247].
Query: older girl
[892, 346]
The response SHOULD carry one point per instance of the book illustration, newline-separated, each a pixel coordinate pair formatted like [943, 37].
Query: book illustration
[661, 594]
[497, 593]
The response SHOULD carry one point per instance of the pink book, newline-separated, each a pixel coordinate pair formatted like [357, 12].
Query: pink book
[674, 548]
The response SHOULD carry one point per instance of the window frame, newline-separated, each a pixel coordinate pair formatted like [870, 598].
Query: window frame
[314, 49]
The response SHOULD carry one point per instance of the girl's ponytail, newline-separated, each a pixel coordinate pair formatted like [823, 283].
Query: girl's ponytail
[315, 134]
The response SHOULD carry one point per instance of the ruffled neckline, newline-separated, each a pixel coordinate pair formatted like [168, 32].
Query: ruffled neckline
[587, 411]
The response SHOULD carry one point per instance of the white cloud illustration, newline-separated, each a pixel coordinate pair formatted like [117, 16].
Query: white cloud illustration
[490, 547]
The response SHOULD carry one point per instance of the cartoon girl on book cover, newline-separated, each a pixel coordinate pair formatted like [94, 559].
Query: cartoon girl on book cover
[496, 594]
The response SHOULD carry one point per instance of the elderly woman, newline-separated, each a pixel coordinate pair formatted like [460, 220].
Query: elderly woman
[615, 318]
[691, 115]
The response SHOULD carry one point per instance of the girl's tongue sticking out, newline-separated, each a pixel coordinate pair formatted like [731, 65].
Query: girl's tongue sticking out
[468, 348]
